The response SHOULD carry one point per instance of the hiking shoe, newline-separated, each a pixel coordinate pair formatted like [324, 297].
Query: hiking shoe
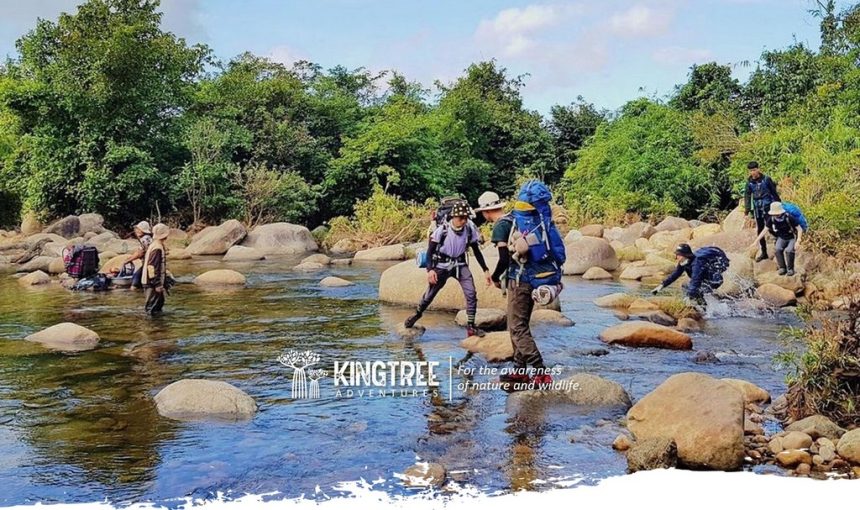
[475, 331]
[542, 381]
[514, 381]
[408, 323]
[790, 272]
[782, 271]
[762, 256]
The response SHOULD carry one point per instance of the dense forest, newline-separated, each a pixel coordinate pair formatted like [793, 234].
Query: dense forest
[102, 110]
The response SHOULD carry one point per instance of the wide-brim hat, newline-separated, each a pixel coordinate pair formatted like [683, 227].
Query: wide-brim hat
[776, 209]
[489, 201]
[144, 227]
[161, 231]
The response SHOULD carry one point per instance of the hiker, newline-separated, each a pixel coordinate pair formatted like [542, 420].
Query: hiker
[531, 253]
[154, 277]
[446, 258]
[788, 231]
[705, 268]
[143, 233]
[492, 208]
[759, 193]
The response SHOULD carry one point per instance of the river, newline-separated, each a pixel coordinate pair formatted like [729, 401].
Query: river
[83, 427]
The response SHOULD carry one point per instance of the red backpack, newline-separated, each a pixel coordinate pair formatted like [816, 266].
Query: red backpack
[81, 261]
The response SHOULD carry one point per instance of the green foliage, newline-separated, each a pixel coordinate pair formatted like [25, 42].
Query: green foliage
[380, 220]
[710, 88]
[642, 161]
[570, 127]
[266, 195]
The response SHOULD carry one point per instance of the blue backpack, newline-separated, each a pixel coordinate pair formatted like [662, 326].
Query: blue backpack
[714, 257]
[794, 211]
[545, 244]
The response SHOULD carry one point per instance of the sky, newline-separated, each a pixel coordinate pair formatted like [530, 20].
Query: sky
[608, 51]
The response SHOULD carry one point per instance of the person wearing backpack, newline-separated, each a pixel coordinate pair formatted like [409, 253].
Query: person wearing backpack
[492, 208]
[154, 277]
[759, 193]
[531, 253]
[788, 232]
[446, 258]
[705, 268]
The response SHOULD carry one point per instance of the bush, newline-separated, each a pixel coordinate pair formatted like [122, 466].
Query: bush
[825, 377]
[267, 195]
[380, 220]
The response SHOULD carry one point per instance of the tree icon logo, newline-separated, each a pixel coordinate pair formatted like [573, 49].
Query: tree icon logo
[299, 361]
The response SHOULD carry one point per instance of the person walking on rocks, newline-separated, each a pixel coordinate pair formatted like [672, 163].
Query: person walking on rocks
[531, 254]
[788, 232]
[447, 258]
[154, 277]
[705, 268]
[759, 193]
[492, 208]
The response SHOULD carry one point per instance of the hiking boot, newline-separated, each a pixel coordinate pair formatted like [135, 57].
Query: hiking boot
[408, 323]
[475, 331]
[790, 272]
[761, 257]
[542, 381]
[514, 381]
[782, 271]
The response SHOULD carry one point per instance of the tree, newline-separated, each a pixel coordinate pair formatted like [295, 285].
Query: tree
[98, 95]
[710, 88]
[570, 126]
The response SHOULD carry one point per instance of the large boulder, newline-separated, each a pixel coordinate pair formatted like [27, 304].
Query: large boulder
[573, 235]
[347, 247]
[670, 223]
[596, 273]
[589, 252]
[34, 278]
[729, 241]
[392, 252]
[667, 240]
[91, 222]
[752, 393]
[37, 264]
[630, 234]
[593, 230]
[736, 220]
[578, 389]
[817, 426]
[616, 300]
[220, 277]
[281, 239]
[707, 229]
[792, 283]
[494, 346]
[67, 227]
[848, 446]
[635, 272]
[703, 415]
[30, 224]
[217, 240]
[776, 296]
[652, 453]
[242, 254]
[485, 318]
[405, 283]
[66, 336]
[646, 334]
[190, 399]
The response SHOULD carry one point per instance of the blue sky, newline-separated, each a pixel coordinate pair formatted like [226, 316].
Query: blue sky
[608, 51]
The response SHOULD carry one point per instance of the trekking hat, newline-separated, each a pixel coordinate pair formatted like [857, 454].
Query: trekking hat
[144, 227]
[489, 201]
[461, 209]
[161, 231]
[776, 209]
[684, 250]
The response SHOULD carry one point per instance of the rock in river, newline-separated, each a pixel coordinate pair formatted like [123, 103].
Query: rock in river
[190, 399]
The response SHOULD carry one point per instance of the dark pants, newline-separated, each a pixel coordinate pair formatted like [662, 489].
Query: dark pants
[760, 214]
[154, 301]
[706, 287]
[135, 278]
[467, 283]
[520, 307]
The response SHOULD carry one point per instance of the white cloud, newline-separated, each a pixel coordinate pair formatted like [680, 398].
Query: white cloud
[512, 32]
[641, 21]
[285, 55]
[674, 55]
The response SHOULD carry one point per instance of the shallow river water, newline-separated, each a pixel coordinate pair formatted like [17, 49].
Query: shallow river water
[83, 427]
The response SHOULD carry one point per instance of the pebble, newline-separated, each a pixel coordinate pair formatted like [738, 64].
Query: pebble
[803, 469]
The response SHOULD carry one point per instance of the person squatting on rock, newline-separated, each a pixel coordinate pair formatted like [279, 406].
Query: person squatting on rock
[788, 232]
[531, 253]
[759, 193]
[705, 268]
[447, 258]
[154, 277]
